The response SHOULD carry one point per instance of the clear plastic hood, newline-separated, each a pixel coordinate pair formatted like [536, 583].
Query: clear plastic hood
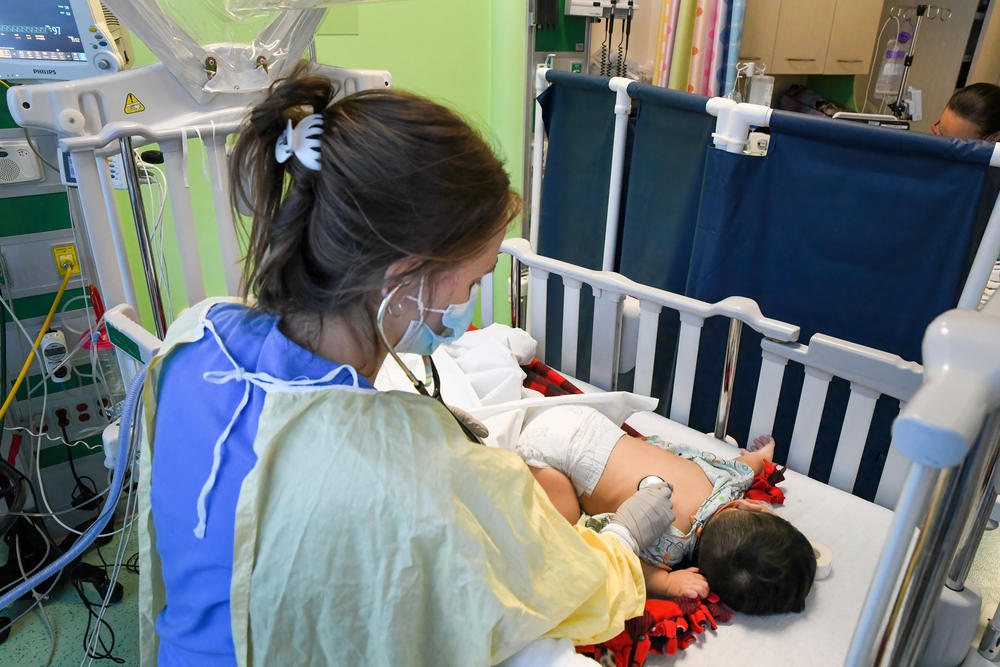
[224, 46]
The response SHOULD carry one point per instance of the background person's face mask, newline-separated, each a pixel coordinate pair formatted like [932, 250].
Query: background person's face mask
[419, 338]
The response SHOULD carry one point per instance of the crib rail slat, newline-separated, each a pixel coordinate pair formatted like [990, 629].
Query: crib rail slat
[218, 170]
[894, 474]
[538, 294]
[765, 407]
[649, 323]
[175, 167]
[607, 336]
[853, 434]
[807, 419]
[688, 341]
[106, 241]
[571, 324]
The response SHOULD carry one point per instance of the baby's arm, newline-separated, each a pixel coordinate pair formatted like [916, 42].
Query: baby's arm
[687, 583]
[762, 451]
[559, 490]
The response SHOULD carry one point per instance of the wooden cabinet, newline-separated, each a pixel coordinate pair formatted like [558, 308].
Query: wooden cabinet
[760, 28]
[852, 37]
[803, 36]
[811, 36]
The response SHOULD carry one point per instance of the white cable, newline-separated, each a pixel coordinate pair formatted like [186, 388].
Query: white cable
[161, 226]
[64, 315]
[38, 597]
[58, 439]
[131, 503]
[41, 563]
[157, 177]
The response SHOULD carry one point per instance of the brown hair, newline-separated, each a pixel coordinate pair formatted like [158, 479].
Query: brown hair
[400, 176]
[756, 562]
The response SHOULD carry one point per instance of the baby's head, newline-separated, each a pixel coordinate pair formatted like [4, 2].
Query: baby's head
[756, 562]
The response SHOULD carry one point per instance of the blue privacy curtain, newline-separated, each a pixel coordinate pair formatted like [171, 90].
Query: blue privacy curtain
[673, 134]
[579, 122]
[858, 232]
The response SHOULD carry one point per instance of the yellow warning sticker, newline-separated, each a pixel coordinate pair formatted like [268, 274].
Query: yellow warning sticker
[132, 104]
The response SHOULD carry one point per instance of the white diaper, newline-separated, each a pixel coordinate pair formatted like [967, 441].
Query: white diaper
[576, 440]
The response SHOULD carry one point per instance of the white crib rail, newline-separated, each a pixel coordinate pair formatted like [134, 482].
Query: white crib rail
[871, 374]
[620, 302]
[951, 431]
[610, 292]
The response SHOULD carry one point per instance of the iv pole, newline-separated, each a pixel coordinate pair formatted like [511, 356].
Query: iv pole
[899, 108]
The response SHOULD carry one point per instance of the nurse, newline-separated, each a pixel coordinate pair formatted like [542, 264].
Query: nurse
[292, 514]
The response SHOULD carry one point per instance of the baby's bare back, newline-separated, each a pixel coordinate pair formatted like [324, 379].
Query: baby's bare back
[630, 461]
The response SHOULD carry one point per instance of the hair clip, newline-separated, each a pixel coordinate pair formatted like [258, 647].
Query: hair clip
[302, 141]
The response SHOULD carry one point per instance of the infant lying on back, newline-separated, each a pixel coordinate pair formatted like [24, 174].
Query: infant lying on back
[756, 562]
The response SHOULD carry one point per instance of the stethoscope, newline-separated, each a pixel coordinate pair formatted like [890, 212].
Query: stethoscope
[430, 369]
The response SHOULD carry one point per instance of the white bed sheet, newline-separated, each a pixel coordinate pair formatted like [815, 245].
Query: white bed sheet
[853, 529]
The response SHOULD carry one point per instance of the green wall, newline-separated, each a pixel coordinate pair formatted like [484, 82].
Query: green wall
[468, 55]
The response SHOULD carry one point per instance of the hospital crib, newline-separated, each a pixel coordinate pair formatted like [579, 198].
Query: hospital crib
[87, 117]
[939, 474]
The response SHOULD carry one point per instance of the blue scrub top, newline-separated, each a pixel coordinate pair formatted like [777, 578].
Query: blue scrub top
[195, 628]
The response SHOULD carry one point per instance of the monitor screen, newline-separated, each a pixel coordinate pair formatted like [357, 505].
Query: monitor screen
[42, 30]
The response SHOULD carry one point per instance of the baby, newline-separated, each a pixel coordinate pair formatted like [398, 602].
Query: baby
[757, 562]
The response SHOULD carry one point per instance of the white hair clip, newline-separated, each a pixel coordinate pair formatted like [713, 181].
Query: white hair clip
[302, 141]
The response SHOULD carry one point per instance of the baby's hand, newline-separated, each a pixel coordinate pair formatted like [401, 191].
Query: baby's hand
[763, 446]
[687, 583]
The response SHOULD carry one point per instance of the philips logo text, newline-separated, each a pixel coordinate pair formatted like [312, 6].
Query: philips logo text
[43, 71]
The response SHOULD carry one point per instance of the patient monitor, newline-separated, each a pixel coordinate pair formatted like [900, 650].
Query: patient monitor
[60, 40]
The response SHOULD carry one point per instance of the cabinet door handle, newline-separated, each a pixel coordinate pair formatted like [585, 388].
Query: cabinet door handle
[853, 60]
[801, 60]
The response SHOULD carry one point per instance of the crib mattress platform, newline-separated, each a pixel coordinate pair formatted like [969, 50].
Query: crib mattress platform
[853, 529]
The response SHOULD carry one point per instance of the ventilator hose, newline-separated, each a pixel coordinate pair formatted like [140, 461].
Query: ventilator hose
[89, 535]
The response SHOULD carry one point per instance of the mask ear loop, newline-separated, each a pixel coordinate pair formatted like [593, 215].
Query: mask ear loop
[379, 317]
[428, 363]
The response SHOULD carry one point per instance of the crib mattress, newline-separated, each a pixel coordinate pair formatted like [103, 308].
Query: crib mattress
[854, 530]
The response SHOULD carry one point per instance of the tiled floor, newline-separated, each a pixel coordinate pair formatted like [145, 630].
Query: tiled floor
[985, 576]
[29, 644]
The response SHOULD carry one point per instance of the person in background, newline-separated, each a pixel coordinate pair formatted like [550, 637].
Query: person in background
[972, 112]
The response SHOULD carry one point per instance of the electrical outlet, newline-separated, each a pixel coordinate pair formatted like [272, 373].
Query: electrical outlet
[66, 254]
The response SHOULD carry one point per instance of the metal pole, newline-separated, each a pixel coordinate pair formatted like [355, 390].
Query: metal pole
[728, 378]
[529, 108]
[912, 504]
[312, 50]
[515, 292]
[142, 232]
[898, 106]
[973, 535]
[588, 26]
[951, 504]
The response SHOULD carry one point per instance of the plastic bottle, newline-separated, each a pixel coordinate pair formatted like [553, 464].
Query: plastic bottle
[891, 73]
[107, 359]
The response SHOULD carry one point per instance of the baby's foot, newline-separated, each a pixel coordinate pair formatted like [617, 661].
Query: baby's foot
[764, 445]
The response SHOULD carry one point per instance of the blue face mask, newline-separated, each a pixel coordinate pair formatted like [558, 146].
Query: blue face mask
[456, 318]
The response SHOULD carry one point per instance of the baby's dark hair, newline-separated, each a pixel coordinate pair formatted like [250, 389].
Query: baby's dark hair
[756, 562]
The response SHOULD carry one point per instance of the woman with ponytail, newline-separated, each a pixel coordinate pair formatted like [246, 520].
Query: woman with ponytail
[292, 514]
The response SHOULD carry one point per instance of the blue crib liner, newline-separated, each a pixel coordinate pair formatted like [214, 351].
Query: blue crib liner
[859, 232]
